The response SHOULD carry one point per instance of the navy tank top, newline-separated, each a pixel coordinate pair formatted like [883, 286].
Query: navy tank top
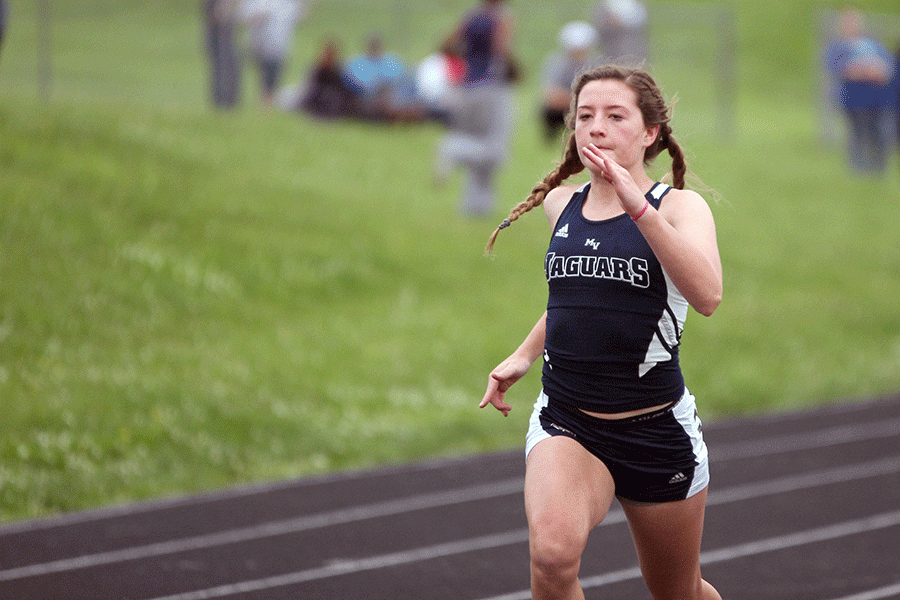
[482, 64]
[614, 319]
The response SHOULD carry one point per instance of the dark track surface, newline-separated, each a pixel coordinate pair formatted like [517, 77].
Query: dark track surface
[802, 506]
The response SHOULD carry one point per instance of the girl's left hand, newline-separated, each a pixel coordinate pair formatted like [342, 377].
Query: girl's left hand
[630, 196]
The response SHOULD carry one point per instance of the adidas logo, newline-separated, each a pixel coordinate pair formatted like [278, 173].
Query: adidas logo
[678, 478]
[563, 231]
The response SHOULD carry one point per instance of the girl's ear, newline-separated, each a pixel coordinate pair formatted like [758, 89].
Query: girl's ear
[650, 135]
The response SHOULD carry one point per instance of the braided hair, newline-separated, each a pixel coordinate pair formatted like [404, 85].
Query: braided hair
[654, 111]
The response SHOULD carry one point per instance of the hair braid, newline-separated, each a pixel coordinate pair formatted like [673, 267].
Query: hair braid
[679, 165]
[570, 165]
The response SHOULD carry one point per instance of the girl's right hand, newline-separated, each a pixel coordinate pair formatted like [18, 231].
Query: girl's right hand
[501, 379]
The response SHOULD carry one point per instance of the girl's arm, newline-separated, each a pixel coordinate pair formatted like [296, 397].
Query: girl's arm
[681, 233]
[519, 362]
[515, 367]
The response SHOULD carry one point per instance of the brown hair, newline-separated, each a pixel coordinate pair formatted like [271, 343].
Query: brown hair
[654, 112]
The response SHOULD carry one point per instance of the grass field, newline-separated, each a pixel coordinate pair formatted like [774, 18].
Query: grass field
[192, 299]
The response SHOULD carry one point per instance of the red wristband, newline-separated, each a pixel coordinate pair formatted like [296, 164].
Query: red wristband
[643, 210]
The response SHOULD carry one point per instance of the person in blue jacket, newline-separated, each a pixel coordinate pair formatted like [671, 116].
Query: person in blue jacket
[863, 71]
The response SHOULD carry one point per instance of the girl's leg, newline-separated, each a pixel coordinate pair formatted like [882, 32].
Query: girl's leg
[667, 538]
[568, 492]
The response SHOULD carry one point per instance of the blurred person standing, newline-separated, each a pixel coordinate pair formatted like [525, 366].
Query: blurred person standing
[225, 61]
[863, 70]
[271, 25]
[622, 28]
[481, 121]
[896, 97]
[577, 41]
[2, 21]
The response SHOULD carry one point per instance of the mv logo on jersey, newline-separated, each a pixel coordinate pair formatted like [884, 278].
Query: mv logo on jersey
[563, 231]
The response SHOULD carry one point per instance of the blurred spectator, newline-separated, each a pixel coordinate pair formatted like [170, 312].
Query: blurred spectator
[622, 27]
[576, 40]
[2, 21]
[384, 86]
[863, 69]
[325, 92]
[896, 96]
[438, 78]
[271, 26]
[224, 59]
[481, 124]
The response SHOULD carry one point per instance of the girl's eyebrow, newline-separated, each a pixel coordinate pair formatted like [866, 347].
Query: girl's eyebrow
[611, 107]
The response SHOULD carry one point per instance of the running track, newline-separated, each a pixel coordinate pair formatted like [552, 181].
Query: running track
[802, 506]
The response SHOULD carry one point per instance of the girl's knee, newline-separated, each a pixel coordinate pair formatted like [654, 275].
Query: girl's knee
[556, 553]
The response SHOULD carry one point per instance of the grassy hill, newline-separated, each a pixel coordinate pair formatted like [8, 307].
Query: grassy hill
[192, 299]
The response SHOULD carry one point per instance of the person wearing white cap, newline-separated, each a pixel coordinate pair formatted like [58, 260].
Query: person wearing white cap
[622, 29]
[576, 44]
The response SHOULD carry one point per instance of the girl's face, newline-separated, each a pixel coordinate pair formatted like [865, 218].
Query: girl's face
[608, 116]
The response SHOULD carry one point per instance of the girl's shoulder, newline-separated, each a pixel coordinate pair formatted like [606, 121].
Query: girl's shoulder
[680, 198]
[557, 199]
[680, 206]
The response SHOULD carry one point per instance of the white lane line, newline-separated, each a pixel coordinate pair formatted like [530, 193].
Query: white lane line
[233, 493]
[138, 508]
[355, 566]
[271, 529]
[824, 438]
[732, 494]
[793, 483]
[885, 592]
[802, 538]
